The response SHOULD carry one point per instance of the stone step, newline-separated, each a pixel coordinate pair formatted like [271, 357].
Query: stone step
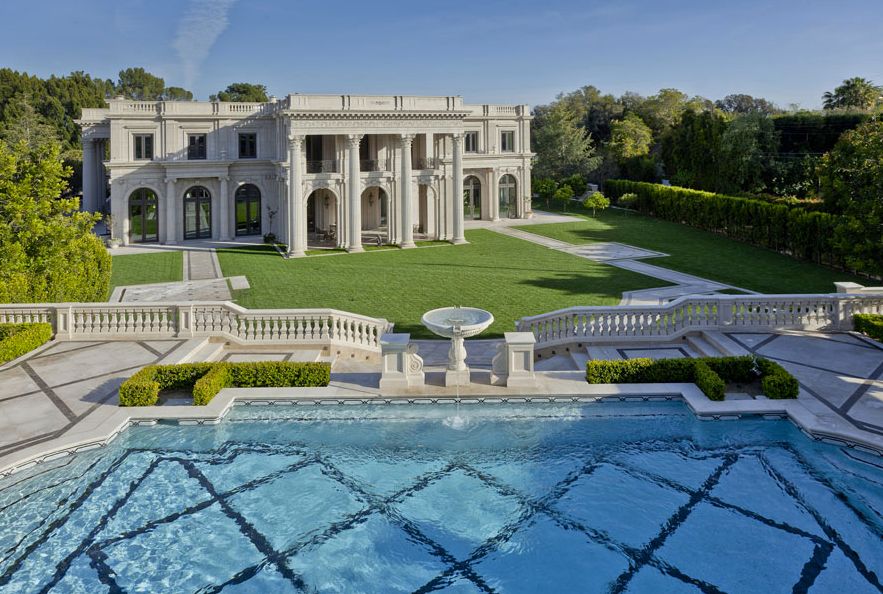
[580, 358]
[702, 347]
[210, 351]
[726, 345]
[603, 353]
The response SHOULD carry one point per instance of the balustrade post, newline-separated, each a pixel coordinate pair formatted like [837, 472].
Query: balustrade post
[184, 326]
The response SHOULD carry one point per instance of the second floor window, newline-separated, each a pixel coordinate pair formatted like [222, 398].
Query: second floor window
[248, 146]
[507, 141]
[196, 146]
[472, 142]
[143, 147]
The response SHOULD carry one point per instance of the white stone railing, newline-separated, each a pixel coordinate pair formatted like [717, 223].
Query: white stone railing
[120, 321]
[691, 314]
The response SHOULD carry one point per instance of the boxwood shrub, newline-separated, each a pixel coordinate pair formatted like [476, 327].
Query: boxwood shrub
[710, 374]
[18, 339]
[870, 324]
[205, 380]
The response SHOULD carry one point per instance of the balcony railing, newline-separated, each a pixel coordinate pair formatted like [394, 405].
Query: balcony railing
[374, 165]
[322, 166]
[426, 163]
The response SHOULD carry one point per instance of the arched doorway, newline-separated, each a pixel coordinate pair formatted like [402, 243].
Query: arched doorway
[248, 210]
[323, 230]
[197, 213]
[143, 216]
[472, 197]
[508, 193]
[375, 216]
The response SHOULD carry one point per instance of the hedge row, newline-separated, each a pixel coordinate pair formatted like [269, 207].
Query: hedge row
[710, 374]
[794, 231]
[205, 380]
[18, 339]
[870, 324]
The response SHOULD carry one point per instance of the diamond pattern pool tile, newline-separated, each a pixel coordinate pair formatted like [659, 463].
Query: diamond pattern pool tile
[687, 471]
[311, 501]
[651, 580]
[840, 575]
[267, 580]
[384, 476]
[739, 555]
[601, 499]
[537, 476]
[155, 556]
[459, 524]
[380, 557]
[577, 563]
[230, 472]
[749, 486]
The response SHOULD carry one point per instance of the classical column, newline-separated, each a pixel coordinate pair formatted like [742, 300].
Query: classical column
[458, 189]
[354, 189]
[297, 215]
[429, 137]
[493, 195]
[89, 177]
[406, 185]
[171, 208]
[224, 235]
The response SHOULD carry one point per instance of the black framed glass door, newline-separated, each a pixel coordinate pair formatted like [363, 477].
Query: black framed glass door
[143, 216]
[248, 210]
[197, 213]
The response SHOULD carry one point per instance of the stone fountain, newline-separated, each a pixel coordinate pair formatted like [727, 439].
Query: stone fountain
[458, 324]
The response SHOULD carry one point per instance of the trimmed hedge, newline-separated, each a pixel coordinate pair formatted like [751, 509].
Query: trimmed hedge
[786, 229]
[207, 379]
[870, 324]
[710, 374]
[18, 339]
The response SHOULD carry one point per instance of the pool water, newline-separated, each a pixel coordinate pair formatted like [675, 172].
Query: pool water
[485, 498]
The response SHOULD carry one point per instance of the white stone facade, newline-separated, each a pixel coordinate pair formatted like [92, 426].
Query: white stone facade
[315, 170]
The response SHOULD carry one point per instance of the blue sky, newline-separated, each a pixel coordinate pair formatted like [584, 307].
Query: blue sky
[487, 51]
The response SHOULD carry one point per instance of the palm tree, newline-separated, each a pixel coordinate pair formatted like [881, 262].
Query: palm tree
[855, 92]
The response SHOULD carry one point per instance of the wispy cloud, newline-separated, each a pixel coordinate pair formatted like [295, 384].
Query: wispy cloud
[202, 24]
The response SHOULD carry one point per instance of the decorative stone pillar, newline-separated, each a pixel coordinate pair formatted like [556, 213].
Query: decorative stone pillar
[224, 235]
[89, 176]
[493, 195]
[407, 198]
[458, 189]
[402, 366]
[171, 210]
[297, 238]
[513, 364]
[354, 191]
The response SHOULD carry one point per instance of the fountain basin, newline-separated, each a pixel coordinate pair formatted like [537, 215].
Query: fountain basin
[461, 322]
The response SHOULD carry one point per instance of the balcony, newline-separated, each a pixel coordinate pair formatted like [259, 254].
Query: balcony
[425, 163]
[368, 165]
[330, 166]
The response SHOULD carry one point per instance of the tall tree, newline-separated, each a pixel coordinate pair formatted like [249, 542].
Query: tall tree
[243, 92]
[22, 125]
[741, 103]
[177, 94]
[563, 148]
[854, 93]
[630, 137]
[747, 154]
[140, 85]
[691, 150]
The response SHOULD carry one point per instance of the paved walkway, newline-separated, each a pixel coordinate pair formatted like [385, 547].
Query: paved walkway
[624, 256]
[203, 278]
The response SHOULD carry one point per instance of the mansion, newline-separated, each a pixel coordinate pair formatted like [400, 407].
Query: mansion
[333, 171]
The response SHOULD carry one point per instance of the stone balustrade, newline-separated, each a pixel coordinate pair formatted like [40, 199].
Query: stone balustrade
[110, 321]
[690, 314]
[402, 366]
[512, 366]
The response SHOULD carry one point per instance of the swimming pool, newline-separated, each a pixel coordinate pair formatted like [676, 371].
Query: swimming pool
[630, 497]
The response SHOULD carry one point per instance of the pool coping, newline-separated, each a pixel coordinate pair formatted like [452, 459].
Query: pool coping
[106, 423]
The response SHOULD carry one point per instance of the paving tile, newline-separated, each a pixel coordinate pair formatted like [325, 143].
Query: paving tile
[83, 395]
[654, 353]
[86, 364]
[869, 407]
[828, 354]
[27, 417]
[16, 381]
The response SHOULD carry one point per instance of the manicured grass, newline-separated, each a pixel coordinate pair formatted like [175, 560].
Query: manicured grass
[143, 269]
[509, 277]
[700, 253]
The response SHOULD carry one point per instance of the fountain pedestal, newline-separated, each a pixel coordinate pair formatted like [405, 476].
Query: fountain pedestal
[457, 323]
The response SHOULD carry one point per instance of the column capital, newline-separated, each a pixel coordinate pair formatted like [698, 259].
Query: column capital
[407, 139]
[171, 180]
[296, 140]
[353, 140]
[224, 178]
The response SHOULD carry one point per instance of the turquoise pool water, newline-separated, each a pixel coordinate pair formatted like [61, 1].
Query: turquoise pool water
[493, 498]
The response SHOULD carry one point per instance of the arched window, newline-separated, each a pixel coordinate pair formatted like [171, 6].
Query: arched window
[143, 216]
[508, 196]
[197, 213]
[248, 210]
[472, 197]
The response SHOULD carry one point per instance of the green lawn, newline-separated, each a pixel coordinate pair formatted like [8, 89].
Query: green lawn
[507, 276]
[142, 269]
[700, 253]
